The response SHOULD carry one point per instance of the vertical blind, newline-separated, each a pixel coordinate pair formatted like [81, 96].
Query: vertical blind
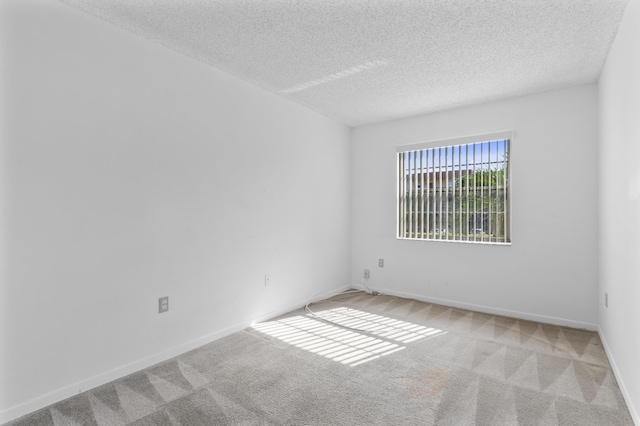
[455, 190]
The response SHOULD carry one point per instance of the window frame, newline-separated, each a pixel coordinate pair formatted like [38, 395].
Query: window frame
[435, 234]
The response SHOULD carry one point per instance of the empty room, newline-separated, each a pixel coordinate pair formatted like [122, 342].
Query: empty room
[319, 212]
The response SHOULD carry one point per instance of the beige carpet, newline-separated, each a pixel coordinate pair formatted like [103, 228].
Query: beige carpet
[400, 362]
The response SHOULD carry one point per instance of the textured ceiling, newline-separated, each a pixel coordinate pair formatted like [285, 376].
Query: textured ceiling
[367, 61]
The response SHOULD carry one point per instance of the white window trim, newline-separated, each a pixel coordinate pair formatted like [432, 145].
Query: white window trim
[442, 143]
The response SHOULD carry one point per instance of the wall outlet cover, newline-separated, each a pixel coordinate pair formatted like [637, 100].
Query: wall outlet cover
[163, 304]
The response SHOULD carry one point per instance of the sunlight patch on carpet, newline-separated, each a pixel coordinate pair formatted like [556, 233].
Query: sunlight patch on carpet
[367, 336]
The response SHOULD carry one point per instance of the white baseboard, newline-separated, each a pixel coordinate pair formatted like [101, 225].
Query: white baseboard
[122, 371]
[487, 309]
[616, 372]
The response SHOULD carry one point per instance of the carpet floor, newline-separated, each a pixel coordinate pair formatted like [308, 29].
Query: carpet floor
[392, 361]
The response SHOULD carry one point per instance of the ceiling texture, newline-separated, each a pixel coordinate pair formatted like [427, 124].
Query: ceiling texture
[360, 62]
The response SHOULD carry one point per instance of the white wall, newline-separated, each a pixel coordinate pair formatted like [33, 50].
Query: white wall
[549, 273]
[619, 90]
[131, 172]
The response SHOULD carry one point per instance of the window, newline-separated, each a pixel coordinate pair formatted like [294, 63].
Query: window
[455, 190]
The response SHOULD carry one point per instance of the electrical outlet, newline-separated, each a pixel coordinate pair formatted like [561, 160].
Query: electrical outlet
[381, 263]
[366, 274]
[267, 280]
[163, 304]
[606, 299]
